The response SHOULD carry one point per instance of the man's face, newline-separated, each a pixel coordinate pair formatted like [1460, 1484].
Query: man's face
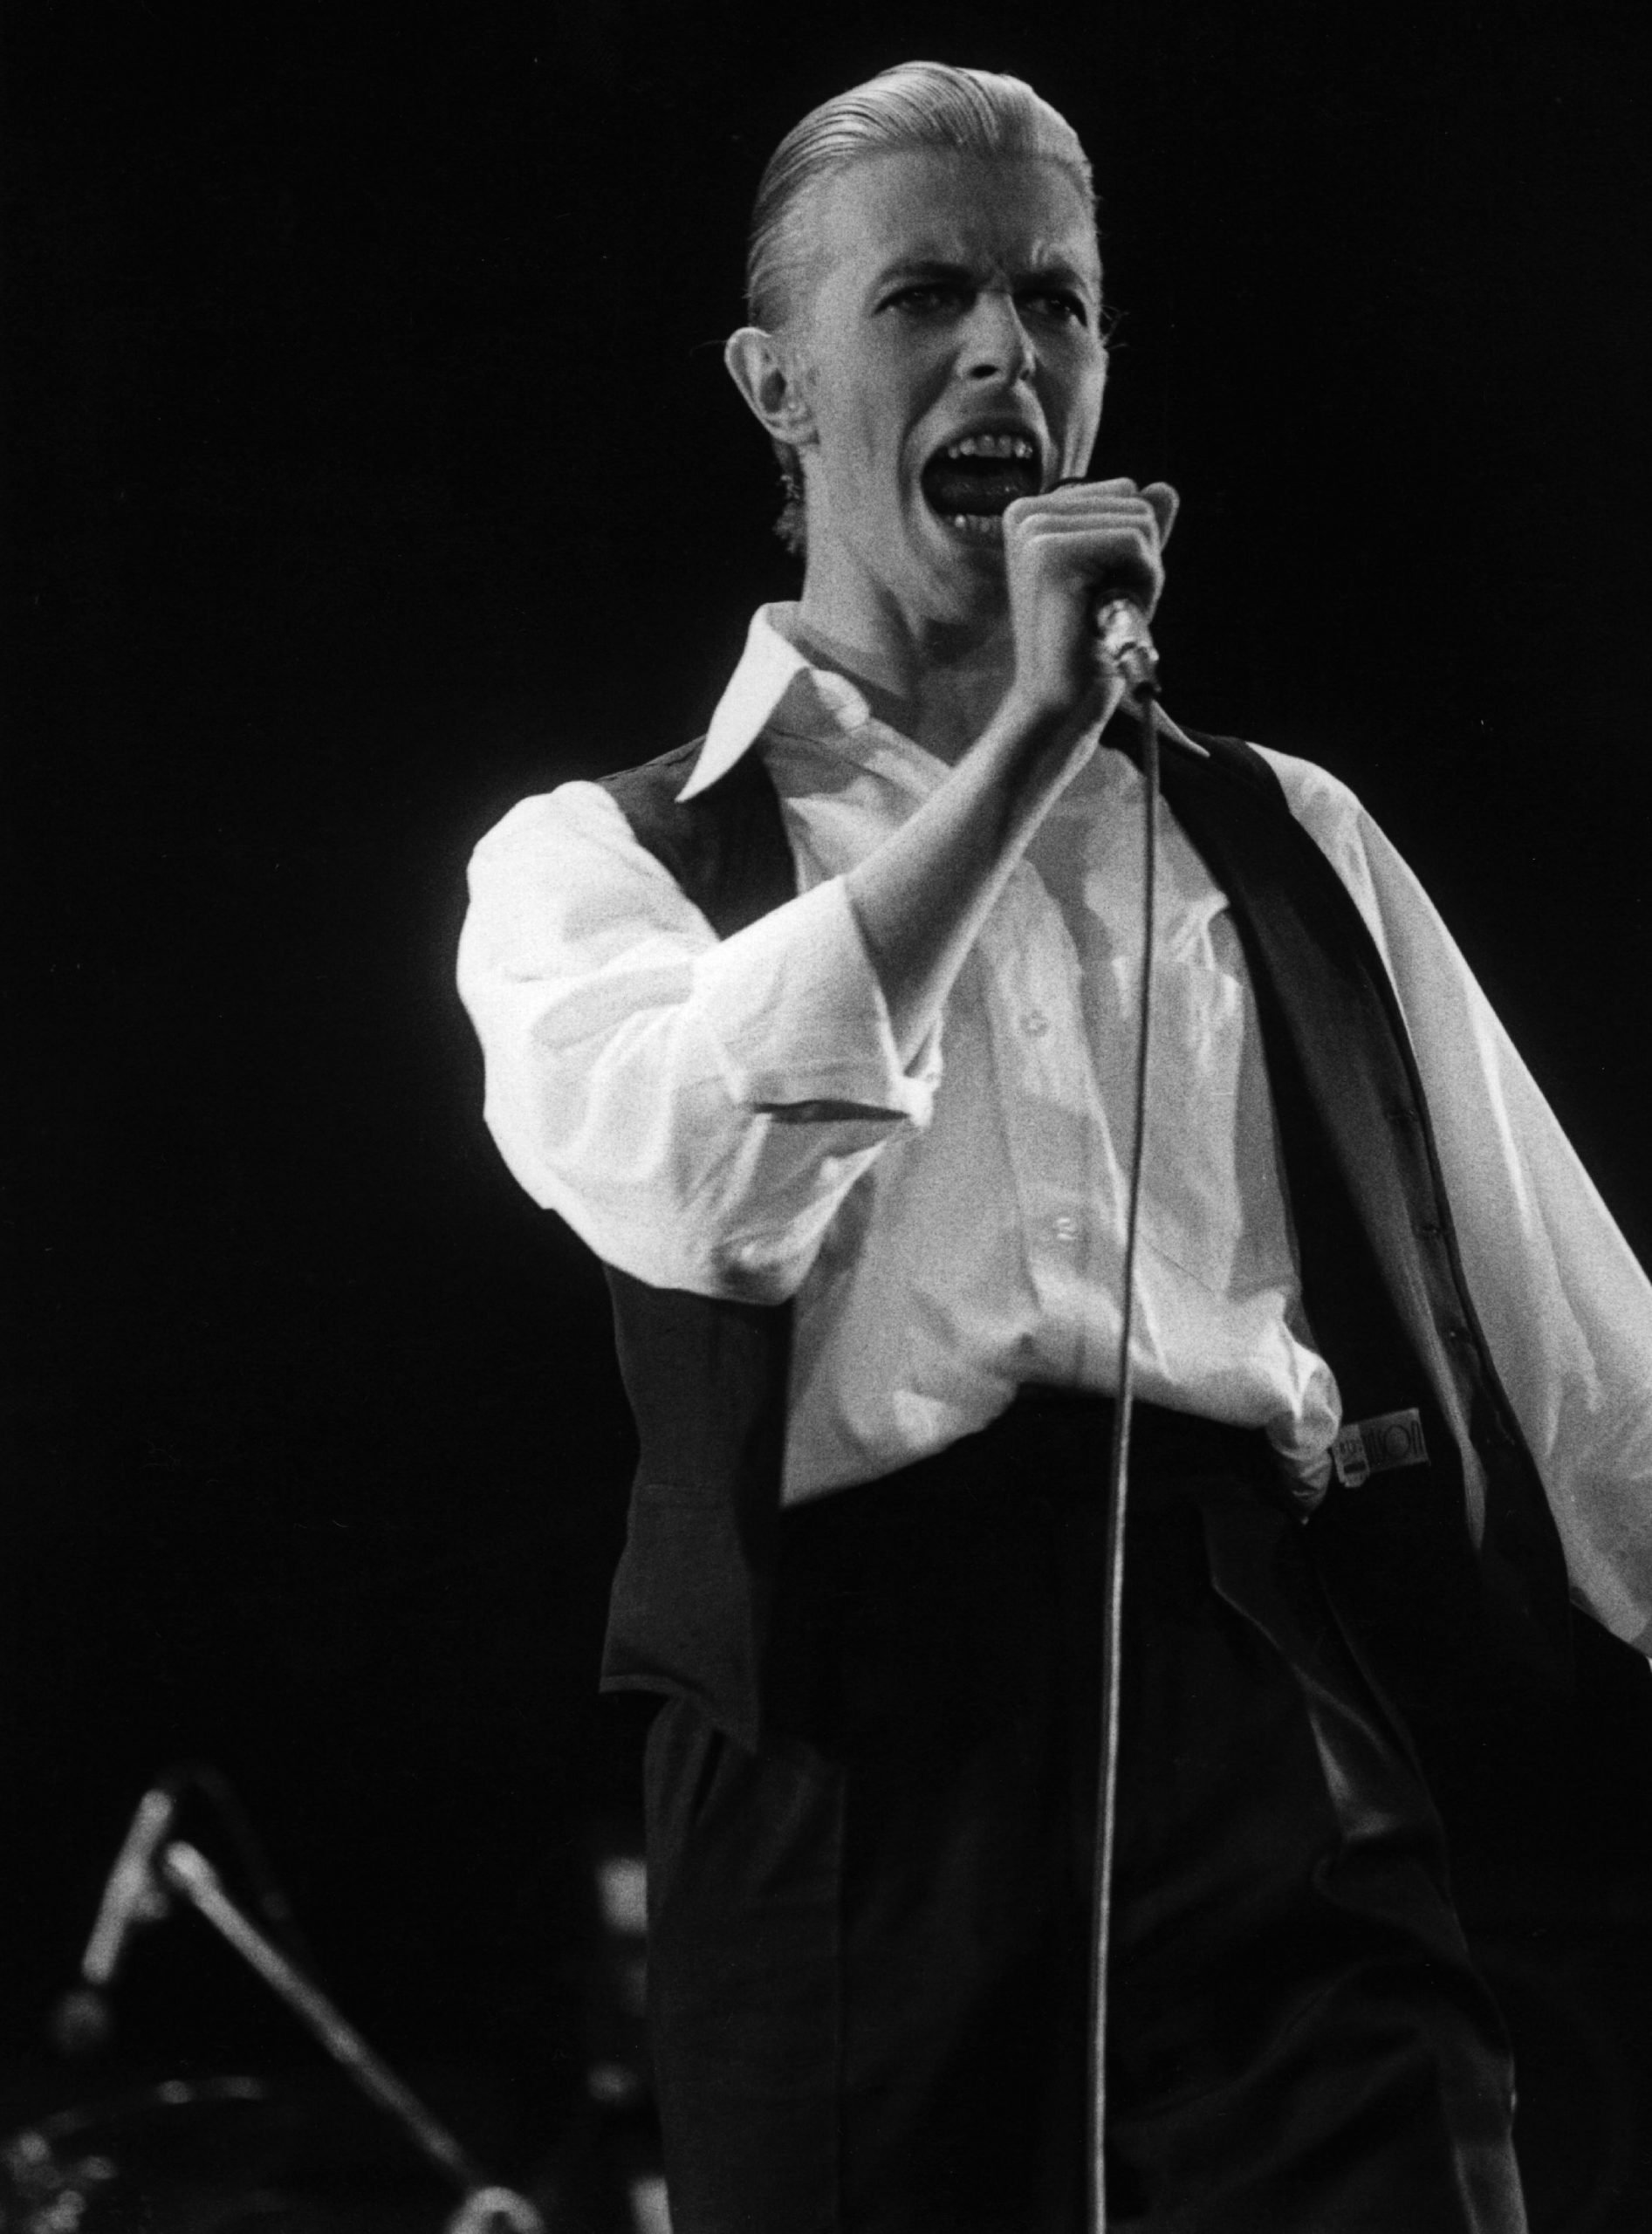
[957, 301]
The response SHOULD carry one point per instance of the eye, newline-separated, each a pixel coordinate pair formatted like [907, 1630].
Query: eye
[1057, 304]
[927, 298]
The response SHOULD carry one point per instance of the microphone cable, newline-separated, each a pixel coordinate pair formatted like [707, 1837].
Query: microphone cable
[1123, 639]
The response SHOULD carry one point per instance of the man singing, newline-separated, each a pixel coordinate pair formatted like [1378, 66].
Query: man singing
[820, 1032]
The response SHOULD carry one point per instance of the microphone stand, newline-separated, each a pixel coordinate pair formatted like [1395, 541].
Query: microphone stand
[485, 2208]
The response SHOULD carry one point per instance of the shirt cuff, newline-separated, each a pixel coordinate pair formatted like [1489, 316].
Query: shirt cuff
[795, 1013]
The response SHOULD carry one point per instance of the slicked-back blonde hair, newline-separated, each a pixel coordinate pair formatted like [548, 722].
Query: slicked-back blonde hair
[914, 106]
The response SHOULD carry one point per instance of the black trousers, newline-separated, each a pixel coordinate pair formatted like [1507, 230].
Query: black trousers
[869, 1943]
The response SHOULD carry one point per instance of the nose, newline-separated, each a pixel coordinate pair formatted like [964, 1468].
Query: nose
[997, 344]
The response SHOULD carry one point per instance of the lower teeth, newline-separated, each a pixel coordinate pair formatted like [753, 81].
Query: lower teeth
[989, 524]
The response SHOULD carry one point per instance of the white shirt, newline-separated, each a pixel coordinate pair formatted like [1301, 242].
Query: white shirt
[731, 1117]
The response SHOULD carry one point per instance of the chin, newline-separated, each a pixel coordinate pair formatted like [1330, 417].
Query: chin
[955, 576]
[972, 567]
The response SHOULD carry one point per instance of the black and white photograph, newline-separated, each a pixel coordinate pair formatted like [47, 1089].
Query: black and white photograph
[828, 1380]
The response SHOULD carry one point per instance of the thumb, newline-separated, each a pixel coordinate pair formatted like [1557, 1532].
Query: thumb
[1166, 504]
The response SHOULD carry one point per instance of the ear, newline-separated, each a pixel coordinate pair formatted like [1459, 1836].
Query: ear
[763, 368]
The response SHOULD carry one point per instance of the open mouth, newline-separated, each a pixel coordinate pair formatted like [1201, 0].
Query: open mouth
[971, 482]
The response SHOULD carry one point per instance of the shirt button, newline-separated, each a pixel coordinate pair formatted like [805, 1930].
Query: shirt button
[1035, 1024]
[1064, 1228]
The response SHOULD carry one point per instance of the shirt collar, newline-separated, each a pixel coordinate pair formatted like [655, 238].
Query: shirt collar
[772, 670]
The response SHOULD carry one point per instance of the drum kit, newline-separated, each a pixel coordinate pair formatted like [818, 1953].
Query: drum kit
[244, 2154]
[345, 2146]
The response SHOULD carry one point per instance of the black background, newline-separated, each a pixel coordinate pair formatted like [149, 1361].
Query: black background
[373, 464]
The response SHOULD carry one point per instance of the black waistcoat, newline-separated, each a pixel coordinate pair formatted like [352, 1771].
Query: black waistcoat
[1411, 1555]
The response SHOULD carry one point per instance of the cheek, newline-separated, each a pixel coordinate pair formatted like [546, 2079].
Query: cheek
[872, 427]
[869, 404]
[1093, 381]
[1075, 393]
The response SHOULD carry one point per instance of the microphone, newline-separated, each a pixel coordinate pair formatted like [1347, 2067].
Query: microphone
[1123, 643]
[130, 1897]
[1121, 638]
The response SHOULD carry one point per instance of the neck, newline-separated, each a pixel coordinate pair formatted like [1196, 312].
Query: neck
[938, 680]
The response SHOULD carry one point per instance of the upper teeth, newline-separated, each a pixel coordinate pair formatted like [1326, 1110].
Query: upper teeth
[991, 446]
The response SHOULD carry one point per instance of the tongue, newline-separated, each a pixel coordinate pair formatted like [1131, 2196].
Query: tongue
[977, 484]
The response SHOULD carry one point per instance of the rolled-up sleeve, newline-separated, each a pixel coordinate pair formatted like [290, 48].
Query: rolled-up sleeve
[1567, 1309]
[695, 1108]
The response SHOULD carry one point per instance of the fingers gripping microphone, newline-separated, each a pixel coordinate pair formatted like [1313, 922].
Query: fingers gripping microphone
[1123, 643]
[132, 1896]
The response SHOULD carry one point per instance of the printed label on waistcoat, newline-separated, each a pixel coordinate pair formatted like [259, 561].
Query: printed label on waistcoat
[1367, 1447]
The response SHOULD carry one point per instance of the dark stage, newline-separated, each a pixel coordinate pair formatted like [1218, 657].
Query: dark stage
[372, 464]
